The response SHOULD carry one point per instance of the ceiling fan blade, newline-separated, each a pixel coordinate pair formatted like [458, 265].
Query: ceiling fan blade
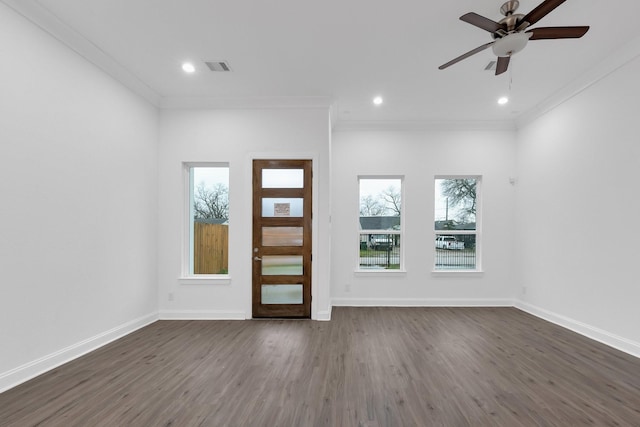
[538, 13]
[502, 65]
[557, 33]
[466, 55]
[482, 22]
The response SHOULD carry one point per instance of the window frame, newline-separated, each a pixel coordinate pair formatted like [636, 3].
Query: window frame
[187, 276]
[477, 232]
[401, 232]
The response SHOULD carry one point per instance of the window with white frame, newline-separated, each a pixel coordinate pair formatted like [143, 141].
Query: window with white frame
[457, 223]
[380, 220]
[207, 219]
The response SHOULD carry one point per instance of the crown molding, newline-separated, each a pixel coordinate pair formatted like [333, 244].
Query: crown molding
[51, 24]
[424, 125]
[267, 102]
[618, 59]
[33, 11]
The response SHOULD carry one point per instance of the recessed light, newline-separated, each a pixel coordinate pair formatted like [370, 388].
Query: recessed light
[188, 67]
[377, 100]
[503, 100]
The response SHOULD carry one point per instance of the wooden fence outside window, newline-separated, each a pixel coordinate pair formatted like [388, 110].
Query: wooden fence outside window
[210, 248]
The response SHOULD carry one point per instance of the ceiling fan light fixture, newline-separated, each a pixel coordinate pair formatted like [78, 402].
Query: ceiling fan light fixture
[510, 44]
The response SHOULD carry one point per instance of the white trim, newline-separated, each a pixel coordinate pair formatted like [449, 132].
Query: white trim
[187, 225]
[47, 21]
[324, 315]
[421, 302]
[401, 232]
[457, 273]
[597, 334]
[205, 279]
[51, 361]
[249, 102]
[423, 125]
[36, 13]
[380, 272]
[613, 62]
[202, 315]
[453, 232]
[477, 232]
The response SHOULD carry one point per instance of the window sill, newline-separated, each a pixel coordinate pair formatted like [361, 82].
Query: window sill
[460, 273]
[373, 272]
[205, 279]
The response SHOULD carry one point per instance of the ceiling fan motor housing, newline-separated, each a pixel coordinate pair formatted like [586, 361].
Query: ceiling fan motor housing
[510, 22]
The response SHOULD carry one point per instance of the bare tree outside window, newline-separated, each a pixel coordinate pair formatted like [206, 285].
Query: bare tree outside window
[461, 197]
[211, 201]
[392, 199]
[376, 200]
[371, 206]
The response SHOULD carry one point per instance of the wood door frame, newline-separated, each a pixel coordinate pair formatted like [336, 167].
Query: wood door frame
[307, 309]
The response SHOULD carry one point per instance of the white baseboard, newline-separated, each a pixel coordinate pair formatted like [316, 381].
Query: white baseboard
[420, 302]
[202, 315]
[607, 338]
[39, 366]
[323, 315]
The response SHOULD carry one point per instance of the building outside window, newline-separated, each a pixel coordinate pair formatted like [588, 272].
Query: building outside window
[380, 220]
[457, 223]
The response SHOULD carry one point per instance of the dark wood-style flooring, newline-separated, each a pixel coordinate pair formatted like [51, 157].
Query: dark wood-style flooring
[367, 367]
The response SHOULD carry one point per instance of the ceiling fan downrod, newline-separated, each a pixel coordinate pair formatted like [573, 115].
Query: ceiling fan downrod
[511, 19]
[509, 7]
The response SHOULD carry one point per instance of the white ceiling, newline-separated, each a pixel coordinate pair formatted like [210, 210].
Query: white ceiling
[338, 52]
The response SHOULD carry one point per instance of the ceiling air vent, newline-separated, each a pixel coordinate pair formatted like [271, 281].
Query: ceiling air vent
[218, 65]
[490, 66]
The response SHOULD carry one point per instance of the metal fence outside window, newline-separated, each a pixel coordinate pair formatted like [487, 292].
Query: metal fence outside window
[456, 259]
[380, 251]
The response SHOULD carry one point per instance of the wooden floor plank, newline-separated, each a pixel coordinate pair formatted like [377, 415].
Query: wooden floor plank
[366, 367]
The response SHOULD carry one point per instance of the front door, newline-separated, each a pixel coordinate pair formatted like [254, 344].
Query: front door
[281, 238]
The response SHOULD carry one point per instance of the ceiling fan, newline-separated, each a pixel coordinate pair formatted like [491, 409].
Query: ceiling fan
[511, 33]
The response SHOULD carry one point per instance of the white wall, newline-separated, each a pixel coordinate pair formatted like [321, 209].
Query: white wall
[577, 211]
[419, 157]
[78, 204]
[236, 136]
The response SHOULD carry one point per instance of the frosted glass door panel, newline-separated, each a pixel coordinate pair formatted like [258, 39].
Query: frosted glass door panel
[282, 265]
[281, 294]
[281, 207]
[282, 178]
[282, 236]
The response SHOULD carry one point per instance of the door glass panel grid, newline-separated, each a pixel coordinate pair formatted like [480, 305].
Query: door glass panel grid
[282, 178]
[282, 207]
[282, 236]
[282, 265]
[282, 294]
